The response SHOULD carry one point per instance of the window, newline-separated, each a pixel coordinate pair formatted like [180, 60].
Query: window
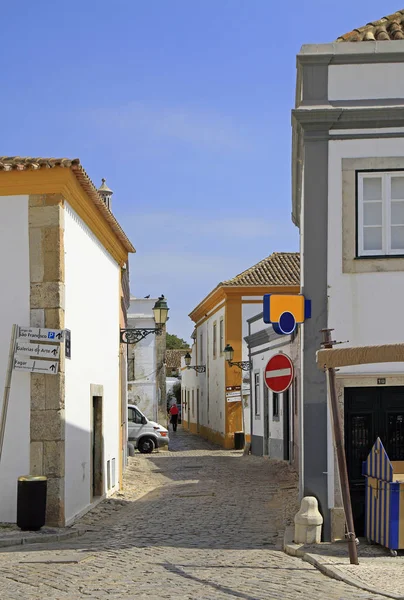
[380, 213]
[275, 406]
[214, 339]
[201, 349]
[257, 393]
[221, 335]
[134, 416]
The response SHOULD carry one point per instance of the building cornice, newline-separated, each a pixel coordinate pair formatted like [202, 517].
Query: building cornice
[349, 53]
[234, 293]
[62, 181]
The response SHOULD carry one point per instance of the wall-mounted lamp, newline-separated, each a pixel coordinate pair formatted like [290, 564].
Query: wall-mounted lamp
[244, 365]
[160, 311]
[197, 368]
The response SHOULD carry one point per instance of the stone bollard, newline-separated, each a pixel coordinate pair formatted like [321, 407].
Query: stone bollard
[308, 522]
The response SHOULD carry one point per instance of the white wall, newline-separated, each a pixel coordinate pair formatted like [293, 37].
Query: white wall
[216, 366]
[363, 81]
[363, 308]
[260, 361]
[248, 311]
[142, 390]
[14, 308]
[92, 281]
[189, 382]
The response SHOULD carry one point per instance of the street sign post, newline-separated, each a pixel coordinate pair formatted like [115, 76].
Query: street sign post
[36, 366]
[40, 350]
[41, 334]
[279, 373]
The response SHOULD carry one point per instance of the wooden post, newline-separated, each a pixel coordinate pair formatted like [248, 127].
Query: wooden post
[7, 386]
[339, 446]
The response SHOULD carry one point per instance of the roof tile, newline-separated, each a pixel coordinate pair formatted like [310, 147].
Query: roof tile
[387, 28]
[173, 357]
[280, 268]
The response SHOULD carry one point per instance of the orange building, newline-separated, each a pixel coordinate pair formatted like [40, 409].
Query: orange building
[214, 394]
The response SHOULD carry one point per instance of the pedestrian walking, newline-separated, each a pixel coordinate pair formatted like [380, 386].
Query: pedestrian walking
[174, 416]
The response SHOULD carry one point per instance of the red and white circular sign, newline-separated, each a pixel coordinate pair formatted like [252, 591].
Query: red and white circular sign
[279, 373]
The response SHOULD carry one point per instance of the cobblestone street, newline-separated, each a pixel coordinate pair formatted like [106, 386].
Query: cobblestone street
[196, 522]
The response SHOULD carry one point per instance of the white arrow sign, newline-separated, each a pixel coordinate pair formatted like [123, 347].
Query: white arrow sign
[36, 366]
[37, 333]
[39, 350]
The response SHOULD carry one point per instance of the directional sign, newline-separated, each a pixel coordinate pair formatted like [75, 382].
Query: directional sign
[279, 373]
[39, 334]
[40, 350]
[36, 366]
[233, 396]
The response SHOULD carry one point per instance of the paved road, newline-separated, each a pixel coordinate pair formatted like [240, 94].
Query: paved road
[207, 527]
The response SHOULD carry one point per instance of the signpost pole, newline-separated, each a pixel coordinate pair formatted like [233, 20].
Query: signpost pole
[7, 386]
[340, 450]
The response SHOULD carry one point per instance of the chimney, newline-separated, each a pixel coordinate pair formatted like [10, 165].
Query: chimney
[106, 194]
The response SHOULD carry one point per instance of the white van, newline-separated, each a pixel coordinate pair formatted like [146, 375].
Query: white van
[145, 434]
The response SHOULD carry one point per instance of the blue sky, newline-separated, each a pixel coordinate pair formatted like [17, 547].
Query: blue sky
[184, 106]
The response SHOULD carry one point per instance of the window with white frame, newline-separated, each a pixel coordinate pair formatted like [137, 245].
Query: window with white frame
[257, 393]
[380, 213]
[221, 335]
[201, 349]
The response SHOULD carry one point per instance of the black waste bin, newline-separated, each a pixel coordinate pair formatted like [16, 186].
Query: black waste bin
[239, 440]
[31, 502]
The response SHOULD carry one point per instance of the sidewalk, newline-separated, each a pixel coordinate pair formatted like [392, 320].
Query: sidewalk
[136, 482]
[11, 535]
[378, 572]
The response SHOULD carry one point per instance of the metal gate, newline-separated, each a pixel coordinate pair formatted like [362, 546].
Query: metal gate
[370, 413]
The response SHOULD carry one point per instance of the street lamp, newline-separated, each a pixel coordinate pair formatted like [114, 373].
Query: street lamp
[245, 365]
[197, 368]
[160, 312]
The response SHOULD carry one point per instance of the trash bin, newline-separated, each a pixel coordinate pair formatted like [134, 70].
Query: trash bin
[384, 511]
[31, 502]
[239, 440]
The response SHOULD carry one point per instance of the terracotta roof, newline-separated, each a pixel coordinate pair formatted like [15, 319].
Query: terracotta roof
[280, 268]
[173, 357]
[387, 28]
[18, 163]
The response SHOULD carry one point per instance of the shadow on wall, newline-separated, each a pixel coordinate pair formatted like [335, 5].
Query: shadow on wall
[91, 465]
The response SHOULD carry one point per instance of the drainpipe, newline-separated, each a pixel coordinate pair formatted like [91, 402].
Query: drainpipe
[301, 410]
[251, 386]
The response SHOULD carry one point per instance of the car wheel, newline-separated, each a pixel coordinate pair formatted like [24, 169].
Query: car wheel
[146, 446]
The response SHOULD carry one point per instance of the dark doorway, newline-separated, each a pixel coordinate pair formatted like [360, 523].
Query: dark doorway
[197, 410]
[266, 421]
[370, 413]
[286, 425]
[97, 474]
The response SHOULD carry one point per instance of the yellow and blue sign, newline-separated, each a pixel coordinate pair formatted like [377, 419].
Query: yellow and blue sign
[285, 311]
[384, 522]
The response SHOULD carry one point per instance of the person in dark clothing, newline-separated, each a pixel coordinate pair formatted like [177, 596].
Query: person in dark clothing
[174, 416]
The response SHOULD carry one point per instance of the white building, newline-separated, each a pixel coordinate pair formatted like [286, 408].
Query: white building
[62, 249]
[348, 201]
[146, 361]
[274, 417]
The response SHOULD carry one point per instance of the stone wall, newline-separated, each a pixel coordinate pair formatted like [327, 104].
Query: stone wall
[47, 445]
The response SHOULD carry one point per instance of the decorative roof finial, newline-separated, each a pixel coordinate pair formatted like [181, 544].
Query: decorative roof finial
[105, 193]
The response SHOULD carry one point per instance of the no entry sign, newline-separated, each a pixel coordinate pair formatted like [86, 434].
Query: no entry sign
[279, 373]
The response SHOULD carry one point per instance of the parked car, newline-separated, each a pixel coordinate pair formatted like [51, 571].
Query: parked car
[145, 434]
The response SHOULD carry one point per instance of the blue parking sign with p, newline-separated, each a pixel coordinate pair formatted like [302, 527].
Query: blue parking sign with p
[51, 335]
